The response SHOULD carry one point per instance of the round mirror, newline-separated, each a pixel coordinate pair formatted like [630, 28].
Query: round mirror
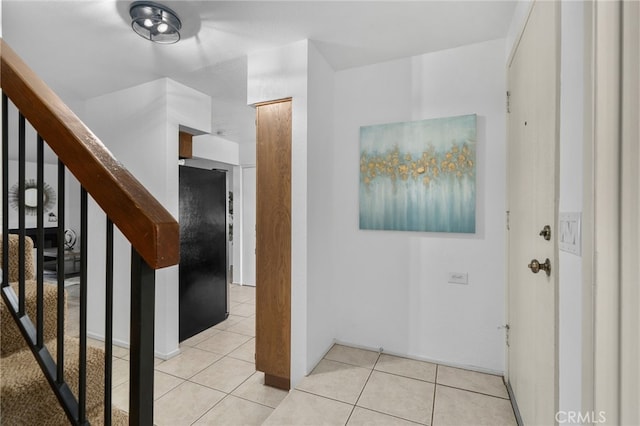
[31, 197]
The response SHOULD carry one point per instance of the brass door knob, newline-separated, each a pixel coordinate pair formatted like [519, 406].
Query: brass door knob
[546, 232]
[536, 266]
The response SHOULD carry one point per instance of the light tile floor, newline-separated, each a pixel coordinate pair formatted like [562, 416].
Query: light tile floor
[213, 382]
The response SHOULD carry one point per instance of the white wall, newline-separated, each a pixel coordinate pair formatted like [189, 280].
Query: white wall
[571, 200]
[247, 215]
[277, 74]
[216, 148]
[321, 286]
[140, 127]
[390, 288]
[247, 271]
[248, 154]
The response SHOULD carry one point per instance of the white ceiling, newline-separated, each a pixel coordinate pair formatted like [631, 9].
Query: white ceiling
[86, 48]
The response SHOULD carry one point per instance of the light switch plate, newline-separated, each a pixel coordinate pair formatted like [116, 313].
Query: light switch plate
[570, 233]
[458, 278]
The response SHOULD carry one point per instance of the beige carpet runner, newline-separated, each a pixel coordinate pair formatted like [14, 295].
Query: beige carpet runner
[25, 396]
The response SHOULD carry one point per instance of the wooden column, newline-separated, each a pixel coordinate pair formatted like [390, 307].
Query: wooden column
[273, 242]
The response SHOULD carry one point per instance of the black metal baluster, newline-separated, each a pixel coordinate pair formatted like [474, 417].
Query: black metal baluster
[40, 251]
[142, 329]
[108, 339]
[5, 190]
[82, 382]
[21, 214]
[60, 273]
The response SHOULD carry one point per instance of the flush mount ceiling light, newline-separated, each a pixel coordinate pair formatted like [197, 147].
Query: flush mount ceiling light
[155, 22]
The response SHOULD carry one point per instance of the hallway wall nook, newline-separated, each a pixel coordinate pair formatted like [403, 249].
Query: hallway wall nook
[392, 286]
[140, 127]
[388, 289]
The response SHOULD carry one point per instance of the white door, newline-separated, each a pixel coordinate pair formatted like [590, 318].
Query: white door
[532, 185]
[249, 226]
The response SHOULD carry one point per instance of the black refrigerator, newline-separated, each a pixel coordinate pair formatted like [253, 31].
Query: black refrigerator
[204, 288]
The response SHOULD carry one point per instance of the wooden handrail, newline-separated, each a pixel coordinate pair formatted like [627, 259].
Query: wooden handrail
[148, 226]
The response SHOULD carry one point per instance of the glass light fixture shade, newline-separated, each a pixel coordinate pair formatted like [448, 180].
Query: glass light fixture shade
[155, 22]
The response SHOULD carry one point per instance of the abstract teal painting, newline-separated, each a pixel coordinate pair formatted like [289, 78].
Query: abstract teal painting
[419, 175]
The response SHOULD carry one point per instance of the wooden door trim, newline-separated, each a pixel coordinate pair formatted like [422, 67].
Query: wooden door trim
[274, 101]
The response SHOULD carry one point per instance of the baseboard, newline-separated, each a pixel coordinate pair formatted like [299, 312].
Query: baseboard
[116, 342]
[514, 403]
[317, 361]
[167, 356]
[426, 359]
[243, 285]
[123, 344]
[277, 382]
[363, 347]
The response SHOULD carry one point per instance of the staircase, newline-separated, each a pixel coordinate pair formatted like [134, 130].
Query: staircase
[47, 378]
[25, 396]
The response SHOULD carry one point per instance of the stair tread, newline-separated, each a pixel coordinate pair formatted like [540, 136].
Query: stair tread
[11, 339]
[25, 395]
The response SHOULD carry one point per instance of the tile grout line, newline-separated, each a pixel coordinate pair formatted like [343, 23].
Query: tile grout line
[353, 408]
[227, 355]
[211, 408]
[390, 415]
[194, 374]
[476, 392]
[433, 403]
[343, 363]
[245, 380]
[222, 356]
[383, 371]
[255, 402]
[214, 389]
[218, 390]
[406, 377]
[321, 396]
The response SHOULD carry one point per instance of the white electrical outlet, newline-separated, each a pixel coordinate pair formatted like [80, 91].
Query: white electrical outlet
[458, 278]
